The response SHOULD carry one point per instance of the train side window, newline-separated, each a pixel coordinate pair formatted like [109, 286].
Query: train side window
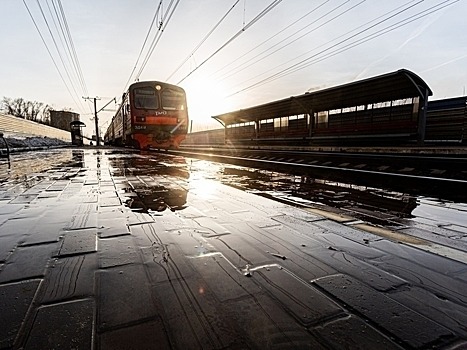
[173, 100]
[146, 98]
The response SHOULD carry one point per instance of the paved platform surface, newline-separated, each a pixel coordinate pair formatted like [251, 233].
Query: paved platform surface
[115, 250]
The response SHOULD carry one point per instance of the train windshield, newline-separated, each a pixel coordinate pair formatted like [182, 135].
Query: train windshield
[173, 100]
[145, 97]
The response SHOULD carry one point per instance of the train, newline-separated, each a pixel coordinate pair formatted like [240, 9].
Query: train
[152, 115]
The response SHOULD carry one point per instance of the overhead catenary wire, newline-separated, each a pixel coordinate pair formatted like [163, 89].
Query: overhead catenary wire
[243, 66]
[70, 70]
[383, 31]
[151, 26]
[252, 22]
[73, 49]
[66, 40]
[161, 28]
[257, 46]
[368, 25]
[50, 53]
[316, 58]
[204, 39]
[59, 53]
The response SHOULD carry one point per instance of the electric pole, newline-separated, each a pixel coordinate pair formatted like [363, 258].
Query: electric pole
[96, 119]
[96, 122]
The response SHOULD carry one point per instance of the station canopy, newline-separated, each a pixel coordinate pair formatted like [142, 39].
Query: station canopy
[77, 123]
[392, 86]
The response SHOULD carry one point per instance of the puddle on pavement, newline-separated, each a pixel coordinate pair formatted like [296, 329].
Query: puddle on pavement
[378, 206]
[151, 183]
[154, 182]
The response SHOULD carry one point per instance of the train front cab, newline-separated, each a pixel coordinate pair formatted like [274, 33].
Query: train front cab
[158, 116]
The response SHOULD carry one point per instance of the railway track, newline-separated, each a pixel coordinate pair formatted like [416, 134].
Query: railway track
[443, 176]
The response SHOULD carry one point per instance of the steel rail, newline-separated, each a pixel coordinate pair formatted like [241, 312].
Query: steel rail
[324, 167]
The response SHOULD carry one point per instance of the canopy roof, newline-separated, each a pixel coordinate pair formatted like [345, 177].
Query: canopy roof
[77, 123]
[387, 87]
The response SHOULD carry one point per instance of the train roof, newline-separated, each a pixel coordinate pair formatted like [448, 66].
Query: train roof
[387, 87]
[154, 82]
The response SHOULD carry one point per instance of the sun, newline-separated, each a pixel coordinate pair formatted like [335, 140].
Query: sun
[205, 99]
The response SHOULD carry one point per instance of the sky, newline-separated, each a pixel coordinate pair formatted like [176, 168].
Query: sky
[226, 54]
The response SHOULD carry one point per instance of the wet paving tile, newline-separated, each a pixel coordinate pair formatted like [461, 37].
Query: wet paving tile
[209, 228]
[24, 199]
[30, 211]
[408, 326]
[58, 186]
[265, 326]
[302, 300]
[117, 251]
[78, 242]
[43, 233]
[191, 313]
[351, 333]
[112, 227]
[68, 325]
[69, 278]
[148, 335]
[222, 279]
[27, 262]
[109, 201]
[15, 301]
[49, 194]
[85, 216]
[8, 244]
[136, 218]
[146, 250]
[120, 303]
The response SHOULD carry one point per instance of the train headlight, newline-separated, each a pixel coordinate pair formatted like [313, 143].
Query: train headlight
[141, 119]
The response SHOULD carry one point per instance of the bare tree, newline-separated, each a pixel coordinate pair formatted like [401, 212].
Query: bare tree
[18, 107]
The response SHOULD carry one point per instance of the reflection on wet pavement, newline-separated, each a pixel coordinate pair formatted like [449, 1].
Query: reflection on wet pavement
[110, 249]
[375, 205]
[154, 183]
[151, 184]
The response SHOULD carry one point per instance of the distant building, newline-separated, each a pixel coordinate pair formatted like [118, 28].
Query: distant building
[62, 119]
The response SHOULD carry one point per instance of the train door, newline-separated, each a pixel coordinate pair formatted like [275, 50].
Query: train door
[126, 121]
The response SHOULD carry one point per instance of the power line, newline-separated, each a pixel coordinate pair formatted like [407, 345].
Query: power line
[257, 46]
[75, 55]
[253, 21]
[204, 39]
[162, 25]
[381, 32]
[57, 48]
[296, 39]
[66, 42]
[385, 17]
[317, 58]
[64, 47]
[156, 14]
[49, 52]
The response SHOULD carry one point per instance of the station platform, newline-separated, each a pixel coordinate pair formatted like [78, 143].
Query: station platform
[112, 249]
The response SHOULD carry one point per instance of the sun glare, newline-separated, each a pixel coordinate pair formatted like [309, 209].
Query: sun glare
[205, 99]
